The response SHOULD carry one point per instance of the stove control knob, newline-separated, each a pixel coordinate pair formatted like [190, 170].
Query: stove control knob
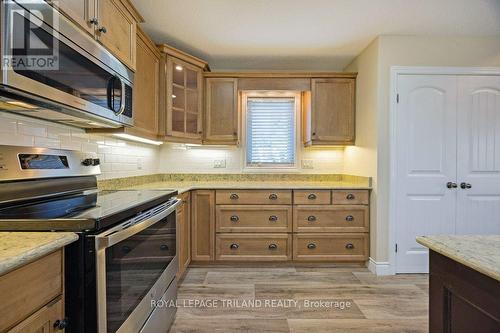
[87, 162]
[96, 161]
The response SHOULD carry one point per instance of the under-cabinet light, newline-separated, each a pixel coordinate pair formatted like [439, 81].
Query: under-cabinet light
[178, 67]
[137, 139]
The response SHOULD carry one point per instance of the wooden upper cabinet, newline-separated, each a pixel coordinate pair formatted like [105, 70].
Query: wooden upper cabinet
[221, 111]
[117, 30]
[146, 87]
[82, 12]
[329, 112]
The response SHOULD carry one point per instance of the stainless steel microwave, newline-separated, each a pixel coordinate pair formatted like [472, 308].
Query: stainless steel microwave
[53, 70]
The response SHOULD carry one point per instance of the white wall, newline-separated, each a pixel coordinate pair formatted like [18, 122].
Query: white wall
[179, 158]
[119, 158]
[406, 51]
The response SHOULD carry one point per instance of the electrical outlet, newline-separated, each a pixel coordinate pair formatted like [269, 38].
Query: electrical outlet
[219, 163]
[139, 164]
[307, 164]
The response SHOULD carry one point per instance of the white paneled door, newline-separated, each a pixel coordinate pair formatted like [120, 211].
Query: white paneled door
[447, 161]
[426, 162]
[478, 173]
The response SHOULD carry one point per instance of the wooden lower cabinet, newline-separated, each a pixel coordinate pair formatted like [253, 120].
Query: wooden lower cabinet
[253, 218]
[254, 247]
[330, 247]
[184, 233]
[32, 296]
[330, 218]
[350, 197]
[203, 225]
[254, 197]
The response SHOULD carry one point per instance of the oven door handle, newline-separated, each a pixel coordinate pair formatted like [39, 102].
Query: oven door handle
[124, 230]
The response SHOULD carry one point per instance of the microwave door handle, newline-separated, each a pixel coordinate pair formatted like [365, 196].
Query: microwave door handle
[120, 232]
[122, 98]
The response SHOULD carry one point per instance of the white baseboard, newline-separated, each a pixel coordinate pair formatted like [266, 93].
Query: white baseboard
[380, 268]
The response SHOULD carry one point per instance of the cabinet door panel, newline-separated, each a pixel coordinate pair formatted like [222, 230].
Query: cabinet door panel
[43, 320]
[203, 225]
[333, 111]
[146, 87]
[80, 11]
[221, 110]
[117, 30]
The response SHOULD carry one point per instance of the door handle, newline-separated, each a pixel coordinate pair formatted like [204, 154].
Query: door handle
[465, 186]
[451, 185]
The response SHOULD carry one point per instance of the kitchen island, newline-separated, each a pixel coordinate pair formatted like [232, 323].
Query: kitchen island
[464, 283]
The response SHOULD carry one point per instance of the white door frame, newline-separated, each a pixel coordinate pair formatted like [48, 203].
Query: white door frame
[395, 71]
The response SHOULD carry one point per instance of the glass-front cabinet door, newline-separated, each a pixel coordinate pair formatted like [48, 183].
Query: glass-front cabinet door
[184, 99]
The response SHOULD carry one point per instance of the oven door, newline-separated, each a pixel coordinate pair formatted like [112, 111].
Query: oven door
[50, 63]
[136, 262]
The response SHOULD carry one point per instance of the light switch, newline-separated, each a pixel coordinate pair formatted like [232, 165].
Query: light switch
[307, 164]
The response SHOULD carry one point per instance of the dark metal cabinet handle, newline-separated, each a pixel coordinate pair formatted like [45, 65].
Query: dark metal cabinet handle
[103, 30]
[349, 218]
[350, 196]
[60, 324]
[234, 246]
[311, 218]
[273, 218]
[234, 218]
[451, 185]
[465, 186]
[273, 196]
[234, 196]
[311, 246]
[94, 21]
[273, 246]
[164, 247]
[311, 196]
[349, 246]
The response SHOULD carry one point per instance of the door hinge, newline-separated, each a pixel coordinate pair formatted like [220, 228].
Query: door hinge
[396, 247]
[397, 98]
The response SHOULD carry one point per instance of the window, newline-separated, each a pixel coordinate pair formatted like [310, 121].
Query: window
[270, 131]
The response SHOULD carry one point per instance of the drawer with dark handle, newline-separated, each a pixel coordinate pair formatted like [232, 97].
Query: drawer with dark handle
[331, 218]
[350, 197]
[253, 197]
[311, 197]
[246, 218]
[330, 247]
[253, 247]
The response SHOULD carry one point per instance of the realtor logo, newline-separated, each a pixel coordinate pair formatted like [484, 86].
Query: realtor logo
[33, 43]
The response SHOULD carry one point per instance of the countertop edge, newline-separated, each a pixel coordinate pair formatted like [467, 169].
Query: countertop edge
[37, 252]
[446, 251]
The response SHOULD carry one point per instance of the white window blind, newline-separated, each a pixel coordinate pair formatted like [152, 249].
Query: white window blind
[270, 132]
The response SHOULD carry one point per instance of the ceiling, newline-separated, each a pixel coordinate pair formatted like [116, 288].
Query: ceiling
[305, 34]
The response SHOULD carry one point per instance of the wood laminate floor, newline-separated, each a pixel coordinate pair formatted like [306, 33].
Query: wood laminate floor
[300, 299]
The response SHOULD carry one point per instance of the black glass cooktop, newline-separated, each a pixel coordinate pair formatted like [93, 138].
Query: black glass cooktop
[90, 210]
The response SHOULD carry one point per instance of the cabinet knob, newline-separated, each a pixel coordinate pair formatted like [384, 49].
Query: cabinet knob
[273, 246]
[349, 246]
[94, 21]
[164, 247]
[311, 246]
[103, 30]
[61, 324]
[234, 196]
[349, 218]
[311, 196]
[350, 196]
[314, 134]
[234, 246]
[311, 218]
[451, 185]
[273, 196]
[234, 218]
[273, 218]
[465, 186]
[126, 249]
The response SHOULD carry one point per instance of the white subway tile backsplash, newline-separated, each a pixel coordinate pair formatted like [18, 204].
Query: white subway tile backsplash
[31, 128]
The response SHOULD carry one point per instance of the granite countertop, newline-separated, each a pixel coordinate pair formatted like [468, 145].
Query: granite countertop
[20, 248]
[481, 253]
[185, 186]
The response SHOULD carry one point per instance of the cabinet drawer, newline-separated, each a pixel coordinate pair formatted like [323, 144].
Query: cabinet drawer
[27, 289]
[254, 247]
[312, 197]
[254, 197]
[324, 247]
[241, 218]
[330, 218]
[350, 197]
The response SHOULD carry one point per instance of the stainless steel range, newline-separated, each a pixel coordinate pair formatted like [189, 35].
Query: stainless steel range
[125, 259]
